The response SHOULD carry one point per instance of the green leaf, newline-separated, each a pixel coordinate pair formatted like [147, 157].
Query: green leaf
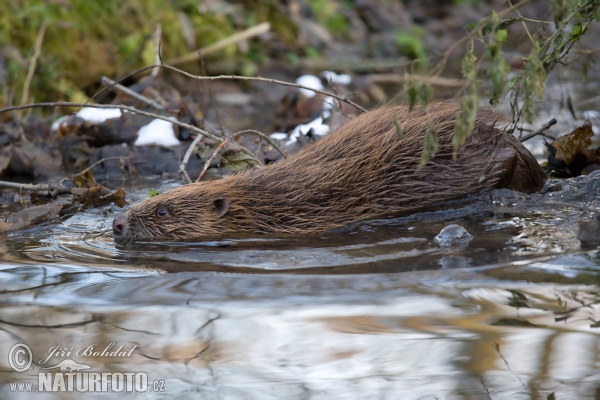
[153, 193]
[576, 31]
[412, 97]
[425, 93]
[465, 121]
[430, 145]
[398, 127]
[501, 36]
[468, 67]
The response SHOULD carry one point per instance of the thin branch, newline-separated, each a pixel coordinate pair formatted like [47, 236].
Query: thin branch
[186, 157]
[35, 188]
[157, 42]
[36, 54]
[235, 38]
[129, 92]
[212, 157]
[262, 135]
[434, 80]
[259, 79]
[232, 77]
[119, 106]
[539, 131]
[122, 158]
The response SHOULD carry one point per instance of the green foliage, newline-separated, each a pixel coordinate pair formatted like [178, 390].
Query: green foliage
[87, 39]
[154, 192]
[465, 121]
[411, 43]
[430, 145]
[329, 14]
[418, 92]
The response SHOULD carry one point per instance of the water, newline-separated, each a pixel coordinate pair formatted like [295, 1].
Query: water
[378, 310]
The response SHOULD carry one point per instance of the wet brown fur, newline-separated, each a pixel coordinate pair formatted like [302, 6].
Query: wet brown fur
[363, 171]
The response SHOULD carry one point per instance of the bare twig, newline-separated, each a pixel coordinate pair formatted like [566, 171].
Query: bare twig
[119, 106]
[201, 132]
[36, 54]
[259, 79]
[122, 158]
[235, 38]
[157, 42]
[262, 135]
[233, 77]
[186, 157]
[434, 80]
[129, 92]
[35, 188]
[212, 157]
[539, 131]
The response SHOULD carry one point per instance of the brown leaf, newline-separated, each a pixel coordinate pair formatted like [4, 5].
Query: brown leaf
[31, 216]
[84, 180]
[568, 146]
[98, 196]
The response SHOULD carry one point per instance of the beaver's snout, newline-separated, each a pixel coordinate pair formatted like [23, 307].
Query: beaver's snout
[120, 227]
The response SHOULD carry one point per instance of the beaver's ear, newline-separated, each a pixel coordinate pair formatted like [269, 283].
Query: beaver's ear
[220, 205]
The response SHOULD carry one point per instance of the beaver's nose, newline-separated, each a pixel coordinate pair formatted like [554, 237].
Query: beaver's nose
[120, 225]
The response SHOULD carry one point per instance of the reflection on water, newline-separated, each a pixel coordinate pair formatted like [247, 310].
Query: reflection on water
[431, 334]
[379, 310]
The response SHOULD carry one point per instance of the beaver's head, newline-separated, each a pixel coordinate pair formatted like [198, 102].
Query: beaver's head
[184, 213]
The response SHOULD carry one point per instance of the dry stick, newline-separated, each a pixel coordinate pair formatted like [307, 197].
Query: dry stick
[235, 38]
[201, 132]
[122, 158]
[434, 80]
[539, 131]
[129, 92]
[233, 77]
[35, 188]
[186, 157]
[259, 79]
[157, 41]
[214, 154]
[33, 62]
[121, 107]
[262, 135]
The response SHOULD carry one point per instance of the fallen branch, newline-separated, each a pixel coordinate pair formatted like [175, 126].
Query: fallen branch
[235, 38]
[212, 157]
[34, 188]
[121, 107]
[539, 131]
[259, 79]
[129, 92]
[433, 80]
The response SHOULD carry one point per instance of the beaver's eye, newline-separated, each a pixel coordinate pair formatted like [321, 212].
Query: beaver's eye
[162, 212]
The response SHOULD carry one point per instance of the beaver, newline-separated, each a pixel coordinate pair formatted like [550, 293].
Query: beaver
[367, 169]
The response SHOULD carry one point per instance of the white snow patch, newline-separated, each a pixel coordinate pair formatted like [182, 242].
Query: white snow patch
[95, 115]
[317, 125]
[278, 136]
[342, 79]
[310, 81]
[158, 132]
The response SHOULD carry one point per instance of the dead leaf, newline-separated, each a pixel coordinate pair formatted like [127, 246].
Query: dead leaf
[237, 160]
[98, 196]
[31, 216]
[571, 153]
[85, 179]
[569, 145]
